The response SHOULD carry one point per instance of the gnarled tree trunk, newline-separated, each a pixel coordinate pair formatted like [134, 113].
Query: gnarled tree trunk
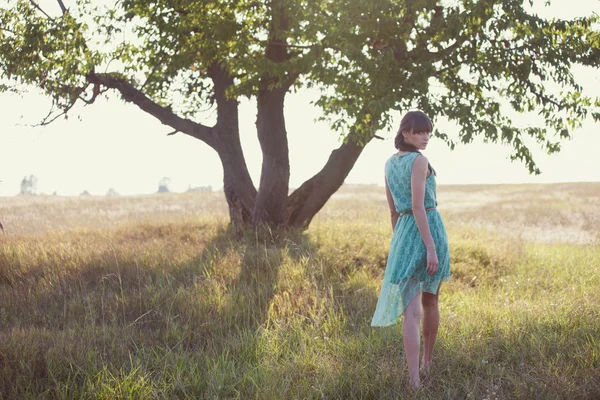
[271, 204]
[270, 124]
[237, 184]
[275, 173]
[239, 190]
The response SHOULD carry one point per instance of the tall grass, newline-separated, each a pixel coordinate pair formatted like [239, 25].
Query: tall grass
[171, 304]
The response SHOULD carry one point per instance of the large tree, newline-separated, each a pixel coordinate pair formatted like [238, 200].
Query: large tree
[466, 60]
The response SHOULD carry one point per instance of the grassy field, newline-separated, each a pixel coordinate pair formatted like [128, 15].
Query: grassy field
[153, 297]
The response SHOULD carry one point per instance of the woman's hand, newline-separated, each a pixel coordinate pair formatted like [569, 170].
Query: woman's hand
[432, 261]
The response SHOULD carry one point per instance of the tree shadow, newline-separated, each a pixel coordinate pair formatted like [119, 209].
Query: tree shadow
[210, 308]
[113, 306]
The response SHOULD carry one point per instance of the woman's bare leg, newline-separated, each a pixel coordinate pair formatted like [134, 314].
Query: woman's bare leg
[431, 322]
[412, 340]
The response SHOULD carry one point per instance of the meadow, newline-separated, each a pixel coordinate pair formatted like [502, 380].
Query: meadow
[155, 297]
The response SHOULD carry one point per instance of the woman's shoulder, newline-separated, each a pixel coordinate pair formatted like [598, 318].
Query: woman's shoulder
[396, 159]
[390, 159]
[421, 163]
[420, 158]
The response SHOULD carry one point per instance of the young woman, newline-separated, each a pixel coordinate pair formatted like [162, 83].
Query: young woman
[419, 258]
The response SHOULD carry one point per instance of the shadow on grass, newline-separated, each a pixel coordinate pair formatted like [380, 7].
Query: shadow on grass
[206, 327]
[130, 306]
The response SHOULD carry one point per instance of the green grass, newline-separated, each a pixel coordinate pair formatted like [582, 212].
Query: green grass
[171, 304]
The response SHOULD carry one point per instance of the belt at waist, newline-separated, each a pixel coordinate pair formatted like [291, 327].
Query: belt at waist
[410, 211]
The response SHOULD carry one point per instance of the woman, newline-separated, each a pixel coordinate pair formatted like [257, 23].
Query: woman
[419, 258]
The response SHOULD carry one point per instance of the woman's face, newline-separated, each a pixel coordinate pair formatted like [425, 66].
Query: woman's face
[419, 140]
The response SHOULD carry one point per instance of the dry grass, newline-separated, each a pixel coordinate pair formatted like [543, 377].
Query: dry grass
[27, 215]
[555, 213]
[153, 297]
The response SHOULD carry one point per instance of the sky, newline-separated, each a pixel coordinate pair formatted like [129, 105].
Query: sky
[116, 145]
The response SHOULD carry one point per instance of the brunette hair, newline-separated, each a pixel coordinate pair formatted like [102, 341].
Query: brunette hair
[413, 122]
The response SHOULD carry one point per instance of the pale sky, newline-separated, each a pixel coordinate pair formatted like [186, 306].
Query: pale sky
[118, 146]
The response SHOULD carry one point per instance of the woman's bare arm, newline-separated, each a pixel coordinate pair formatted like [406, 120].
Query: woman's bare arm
[417, 182]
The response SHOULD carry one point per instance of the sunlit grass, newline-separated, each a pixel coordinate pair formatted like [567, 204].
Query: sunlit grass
[165, 302]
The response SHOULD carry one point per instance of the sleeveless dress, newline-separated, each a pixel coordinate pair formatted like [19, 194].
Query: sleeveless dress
[405, 276]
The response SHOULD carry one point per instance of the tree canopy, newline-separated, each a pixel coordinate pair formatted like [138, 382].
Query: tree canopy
[463, 60]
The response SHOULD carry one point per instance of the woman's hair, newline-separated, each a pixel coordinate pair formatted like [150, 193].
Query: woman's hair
[414, 122]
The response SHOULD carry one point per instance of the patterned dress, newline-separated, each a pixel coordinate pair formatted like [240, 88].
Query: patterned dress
[405, 276]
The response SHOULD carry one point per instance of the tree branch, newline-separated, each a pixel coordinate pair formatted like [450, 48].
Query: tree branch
[74, 95]
[227, 108]
[282, 44]
[542, 97]
[95, 94]
[312, 195]
[62, 7]
[60, 4]
[37, 6]
[47, 120]
[443, 53]
[276, 50]
[164, 114]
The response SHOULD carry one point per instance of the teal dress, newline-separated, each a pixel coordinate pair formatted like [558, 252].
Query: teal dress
[405, 276]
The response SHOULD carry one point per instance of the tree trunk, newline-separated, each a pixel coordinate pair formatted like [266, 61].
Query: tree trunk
[239, 190]
[237, 184]
[275, 174]
[270, 124]
[304, 203]
[270, 205]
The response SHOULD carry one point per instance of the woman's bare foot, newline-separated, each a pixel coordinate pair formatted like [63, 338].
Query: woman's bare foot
[415, 383]
[426, 366]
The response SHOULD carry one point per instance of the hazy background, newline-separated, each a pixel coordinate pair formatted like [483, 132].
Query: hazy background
[115, 145]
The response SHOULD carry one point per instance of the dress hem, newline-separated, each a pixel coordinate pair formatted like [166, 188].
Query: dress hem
[382, 325]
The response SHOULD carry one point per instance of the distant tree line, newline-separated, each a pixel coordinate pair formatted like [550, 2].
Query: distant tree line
[29, 187]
